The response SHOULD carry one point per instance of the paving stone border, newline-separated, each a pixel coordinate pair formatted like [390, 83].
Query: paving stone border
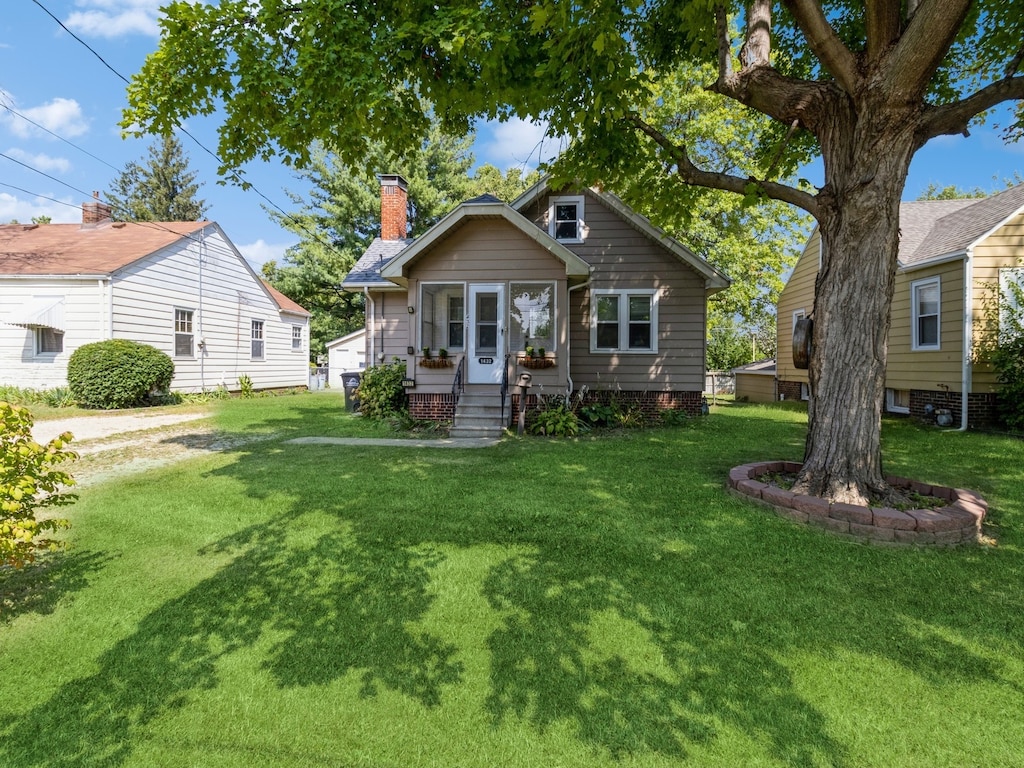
[959, 522]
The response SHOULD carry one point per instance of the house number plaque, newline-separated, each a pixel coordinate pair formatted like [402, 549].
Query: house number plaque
[485, 360]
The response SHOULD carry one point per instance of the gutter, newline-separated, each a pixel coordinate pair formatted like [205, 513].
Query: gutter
[968, 338]
[369, 325]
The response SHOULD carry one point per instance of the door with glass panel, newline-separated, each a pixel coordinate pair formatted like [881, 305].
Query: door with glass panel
[485, 357]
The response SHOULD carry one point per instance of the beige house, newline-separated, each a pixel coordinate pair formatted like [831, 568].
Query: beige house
[567, 286]
[953, 256]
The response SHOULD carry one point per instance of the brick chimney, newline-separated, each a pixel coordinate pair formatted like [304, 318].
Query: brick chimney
[394, 207]
[95, 212]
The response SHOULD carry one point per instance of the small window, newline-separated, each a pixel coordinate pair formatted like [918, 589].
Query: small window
[565, 219]
[624, 321]
[1011, 303]
[297, 338]
[442, 315]
[257, 339]
[797, 315]
[925, 306]
[183, 335]
[897, 400]
[49, 341]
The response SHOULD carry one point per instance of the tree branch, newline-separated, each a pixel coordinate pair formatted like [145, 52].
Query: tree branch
[785, 99]
[883, 26]
[724, 43]
[825, 44]
[757, 46]
[950, 119]
[691, 174]
[1014, 64]
[924, 44]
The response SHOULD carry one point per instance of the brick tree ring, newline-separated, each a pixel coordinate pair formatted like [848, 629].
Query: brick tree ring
[957, 522]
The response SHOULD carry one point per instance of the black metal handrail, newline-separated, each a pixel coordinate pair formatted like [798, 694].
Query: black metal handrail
[458, 385]
[504, 388]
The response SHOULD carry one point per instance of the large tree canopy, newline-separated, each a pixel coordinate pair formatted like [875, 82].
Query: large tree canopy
[163, 189]
[865, 84]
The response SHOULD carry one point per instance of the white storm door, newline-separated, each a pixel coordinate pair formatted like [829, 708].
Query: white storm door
[486, 343]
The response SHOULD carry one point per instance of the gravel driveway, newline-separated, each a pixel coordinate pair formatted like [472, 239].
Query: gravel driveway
[94, 427]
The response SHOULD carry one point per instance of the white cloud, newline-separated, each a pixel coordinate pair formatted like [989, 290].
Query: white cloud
[62, 116]
[41, 162]
[13, 208]
[515, 142]
[115, 18]
[260, 252]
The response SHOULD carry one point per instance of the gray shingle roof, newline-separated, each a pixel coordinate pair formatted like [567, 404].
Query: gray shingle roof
[367, 270]
[933, 228]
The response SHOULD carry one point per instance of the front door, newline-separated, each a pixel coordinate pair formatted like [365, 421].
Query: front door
[486, 357]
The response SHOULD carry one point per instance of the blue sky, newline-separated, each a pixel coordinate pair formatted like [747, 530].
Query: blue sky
[49, 77]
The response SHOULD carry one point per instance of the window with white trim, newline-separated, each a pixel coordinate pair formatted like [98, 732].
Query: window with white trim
[797, 314]
[925, 307]
[442, 316]
[897, 400]
[183, 335]
[257, 339]
[49, 341]
[532, 312]
[565, 218]
[297, 338]
[624, 320]
[1011, 303]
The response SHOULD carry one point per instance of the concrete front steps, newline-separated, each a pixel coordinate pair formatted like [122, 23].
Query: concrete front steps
[478, 414]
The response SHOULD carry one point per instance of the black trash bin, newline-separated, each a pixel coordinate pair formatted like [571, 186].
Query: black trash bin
[351, 383]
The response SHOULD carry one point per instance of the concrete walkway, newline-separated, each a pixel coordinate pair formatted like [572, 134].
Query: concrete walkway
[448, 442]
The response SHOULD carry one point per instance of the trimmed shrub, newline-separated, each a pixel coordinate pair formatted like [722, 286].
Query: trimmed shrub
[118, 374]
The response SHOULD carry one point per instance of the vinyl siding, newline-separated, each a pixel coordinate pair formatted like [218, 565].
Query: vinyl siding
[928, 369]
[1005, 248]
[622, 258]
[86, 319]
[225, 297]
[755, 387]
[798, 294]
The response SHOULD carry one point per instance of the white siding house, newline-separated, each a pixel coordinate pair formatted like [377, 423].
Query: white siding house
[181, 287]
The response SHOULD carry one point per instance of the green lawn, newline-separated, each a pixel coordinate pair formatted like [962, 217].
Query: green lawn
[553, 603]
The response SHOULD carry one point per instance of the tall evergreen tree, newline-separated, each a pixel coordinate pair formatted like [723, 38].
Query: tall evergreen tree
[161, 189]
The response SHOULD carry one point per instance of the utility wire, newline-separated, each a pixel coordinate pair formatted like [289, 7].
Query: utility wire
[57, 136]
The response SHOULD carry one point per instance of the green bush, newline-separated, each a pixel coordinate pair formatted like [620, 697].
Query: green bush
[118, 374]
[29, 480]
[1008, 362]
[556, 417]
[380, 392]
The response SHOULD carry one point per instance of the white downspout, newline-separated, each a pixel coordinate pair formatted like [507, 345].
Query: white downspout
[968, 334]
[568, 335]
[370, 324]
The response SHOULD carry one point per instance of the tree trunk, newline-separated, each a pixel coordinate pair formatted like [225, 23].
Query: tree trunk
[867, 157]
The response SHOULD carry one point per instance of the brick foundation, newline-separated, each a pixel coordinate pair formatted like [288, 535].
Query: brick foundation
[981, 406]
[959, 522]
[789, 390]
[432, 406]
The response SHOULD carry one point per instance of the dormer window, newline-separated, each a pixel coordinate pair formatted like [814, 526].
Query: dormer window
[565, 219]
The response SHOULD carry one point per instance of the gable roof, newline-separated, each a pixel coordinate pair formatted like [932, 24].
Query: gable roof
[714, 279]
[283, 302]
[932, 230]
[366, 271]
[100, 250]
[483, 207]
[74, 249]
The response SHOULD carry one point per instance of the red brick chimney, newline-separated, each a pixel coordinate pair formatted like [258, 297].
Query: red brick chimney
[394, 207]
[95, 212]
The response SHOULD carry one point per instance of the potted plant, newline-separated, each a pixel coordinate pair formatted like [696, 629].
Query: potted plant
[426, 353]
[442, 353]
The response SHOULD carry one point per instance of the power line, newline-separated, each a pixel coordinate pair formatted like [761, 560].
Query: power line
[57, 136]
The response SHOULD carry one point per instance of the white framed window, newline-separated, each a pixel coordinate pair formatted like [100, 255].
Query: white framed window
[897, 400]
[798, 314]
[296, 338]
[565, 218]
[1011, 302]
[257, 339]
[532, 312]
[624, 320]
[443, 316]
[49, 341]
[925, 307]
[183, 334]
